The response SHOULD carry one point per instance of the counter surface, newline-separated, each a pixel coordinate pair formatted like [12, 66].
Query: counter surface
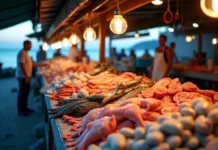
[58, 127]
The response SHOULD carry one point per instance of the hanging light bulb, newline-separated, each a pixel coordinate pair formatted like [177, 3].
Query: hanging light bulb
[58, 45]
[214, 41]
[157, 2]
[89, 34]
[118, 24]
[170, 29]
[211, 12]
[45, 46]
[215, 5]
[65, 42]
[136, 35]
[188, 39]
[195, 25]
[53, 46]
[74, 39]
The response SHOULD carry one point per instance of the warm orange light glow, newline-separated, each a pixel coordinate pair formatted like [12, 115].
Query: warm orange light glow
[213, 12]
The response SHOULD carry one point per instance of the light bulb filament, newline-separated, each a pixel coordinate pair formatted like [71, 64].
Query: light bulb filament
[118, 25]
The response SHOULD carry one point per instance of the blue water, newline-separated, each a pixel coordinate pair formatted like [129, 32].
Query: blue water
[9, 56]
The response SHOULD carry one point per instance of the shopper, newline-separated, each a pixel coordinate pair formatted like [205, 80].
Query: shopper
[23, 75]
[121, 55]
[73, 53]
[57, 54]
[132, 54]
[172, 47]
[41, 55]
[146, 55]
[162, 61]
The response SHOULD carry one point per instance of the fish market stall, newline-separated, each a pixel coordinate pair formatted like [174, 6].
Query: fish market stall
[130, 108]
[99, 107]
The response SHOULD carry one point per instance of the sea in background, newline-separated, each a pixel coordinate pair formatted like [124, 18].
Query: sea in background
[8, 56]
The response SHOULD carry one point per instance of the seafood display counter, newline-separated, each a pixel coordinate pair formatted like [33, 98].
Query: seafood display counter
[197, 72]
[127, 111]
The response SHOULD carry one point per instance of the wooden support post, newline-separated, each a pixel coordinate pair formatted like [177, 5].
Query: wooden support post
[215, 55]
[82, 46]
[200, 37]
[102, 35]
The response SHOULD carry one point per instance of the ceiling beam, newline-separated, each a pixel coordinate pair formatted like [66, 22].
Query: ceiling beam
[125, 6]
[69, 8]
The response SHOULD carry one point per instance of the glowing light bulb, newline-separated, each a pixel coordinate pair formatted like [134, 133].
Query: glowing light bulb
[157, 2]
[65, 42]
[215, 5]
[195, 25]
[58, 45]
[53, 46]
[188, 39]
[211, 12]
[45, 46]
[214, 41]
[118, 24]
[74, 39]
[170, 29]
[136, 35]
[89, 34]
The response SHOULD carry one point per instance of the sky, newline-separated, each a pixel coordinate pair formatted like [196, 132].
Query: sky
[14, 36]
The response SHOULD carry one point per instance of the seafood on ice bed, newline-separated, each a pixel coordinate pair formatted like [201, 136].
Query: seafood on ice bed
[108, 109]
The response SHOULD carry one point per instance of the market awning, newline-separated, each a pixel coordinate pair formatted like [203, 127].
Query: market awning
[13, 12]
[36, 35]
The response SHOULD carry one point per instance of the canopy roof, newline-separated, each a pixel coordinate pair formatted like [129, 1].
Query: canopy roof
[13, 12]
[59, 18]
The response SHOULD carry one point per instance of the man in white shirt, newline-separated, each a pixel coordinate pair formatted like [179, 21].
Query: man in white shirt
[73, 53]
[23, 75]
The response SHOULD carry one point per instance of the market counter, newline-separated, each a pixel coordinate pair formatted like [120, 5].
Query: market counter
[194, 74]
[53, 127]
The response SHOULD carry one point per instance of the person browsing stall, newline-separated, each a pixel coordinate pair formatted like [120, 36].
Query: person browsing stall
[121, 55]
[146, 55]
[23, 75]
[162, 61]
[73, 53]
[57, 54]
[41, 55]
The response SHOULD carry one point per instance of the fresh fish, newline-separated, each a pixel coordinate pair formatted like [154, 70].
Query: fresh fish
[122, 92]
[64, 102]
[86, 107]
[100, 96]
[56, 110]
[131, 94]
[127, 84]
[67, 110]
